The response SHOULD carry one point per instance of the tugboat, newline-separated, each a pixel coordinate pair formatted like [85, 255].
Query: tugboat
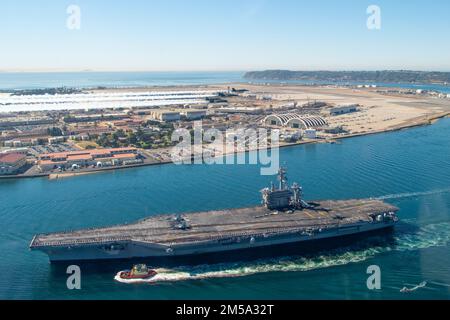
[138, 272]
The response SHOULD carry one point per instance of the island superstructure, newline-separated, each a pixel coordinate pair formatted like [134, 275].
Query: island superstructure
[284, 219]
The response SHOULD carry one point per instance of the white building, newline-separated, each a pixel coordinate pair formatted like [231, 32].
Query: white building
[344, 109]
[23, 151]
[243, 110]
[264, 97]
[291, 136]
[15, 144]
[310, 134]
[194, 114]
[165, 116]
[295, 121]
[56, 140]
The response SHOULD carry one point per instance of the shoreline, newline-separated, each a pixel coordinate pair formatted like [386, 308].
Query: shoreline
[236, 82]
[422, 123]
[430, 120]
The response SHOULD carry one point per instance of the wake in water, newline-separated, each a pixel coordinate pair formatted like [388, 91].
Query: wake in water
[409, 290]
[413, 194]
[435, 235]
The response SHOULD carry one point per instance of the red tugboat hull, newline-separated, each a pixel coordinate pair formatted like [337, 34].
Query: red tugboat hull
[128, 276]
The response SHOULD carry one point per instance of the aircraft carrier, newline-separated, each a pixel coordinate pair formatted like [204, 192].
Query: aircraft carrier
[283, 220]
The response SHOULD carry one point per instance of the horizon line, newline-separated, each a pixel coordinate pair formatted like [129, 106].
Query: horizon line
[211, 71]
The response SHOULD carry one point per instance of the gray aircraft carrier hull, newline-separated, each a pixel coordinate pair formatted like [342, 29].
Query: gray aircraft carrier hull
[235, 249]
[284, 220]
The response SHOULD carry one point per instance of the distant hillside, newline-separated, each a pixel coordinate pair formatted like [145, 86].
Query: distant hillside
[344, 76]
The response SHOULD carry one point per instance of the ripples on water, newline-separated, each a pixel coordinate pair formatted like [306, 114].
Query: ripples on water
[436, 235]
[414, 194]
[24, 80]
[410, 169]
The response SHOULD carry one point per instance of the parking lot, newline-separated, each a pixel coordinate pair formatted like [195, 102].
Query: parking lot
[62, 147]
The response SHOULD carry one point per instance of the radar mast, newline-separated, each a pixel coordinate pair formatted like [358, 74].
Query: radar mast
[285, 197]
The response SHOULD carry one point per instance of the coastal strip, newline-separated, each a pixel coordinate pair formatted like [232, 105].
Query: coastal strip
[54, 145]
[424, 121]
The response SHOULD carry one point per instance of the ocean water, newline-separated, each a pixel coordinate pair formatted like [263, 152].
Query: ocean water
[409, 168]
[27, 80]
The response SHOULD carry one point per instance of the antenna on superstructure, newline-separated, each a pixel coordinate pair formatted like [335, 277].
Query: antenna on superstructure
[285, 197]
[282, 178]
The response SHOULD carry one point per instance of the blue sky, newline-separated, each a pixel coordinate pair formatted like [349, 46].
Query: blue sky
[238, 35]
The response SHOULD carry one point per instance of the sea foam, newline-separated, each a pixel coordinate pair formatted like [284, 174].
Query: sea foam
[434, 235]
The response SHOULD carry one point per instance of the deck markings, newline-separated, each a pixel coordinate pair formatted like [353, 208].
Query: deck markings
[309, 215]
